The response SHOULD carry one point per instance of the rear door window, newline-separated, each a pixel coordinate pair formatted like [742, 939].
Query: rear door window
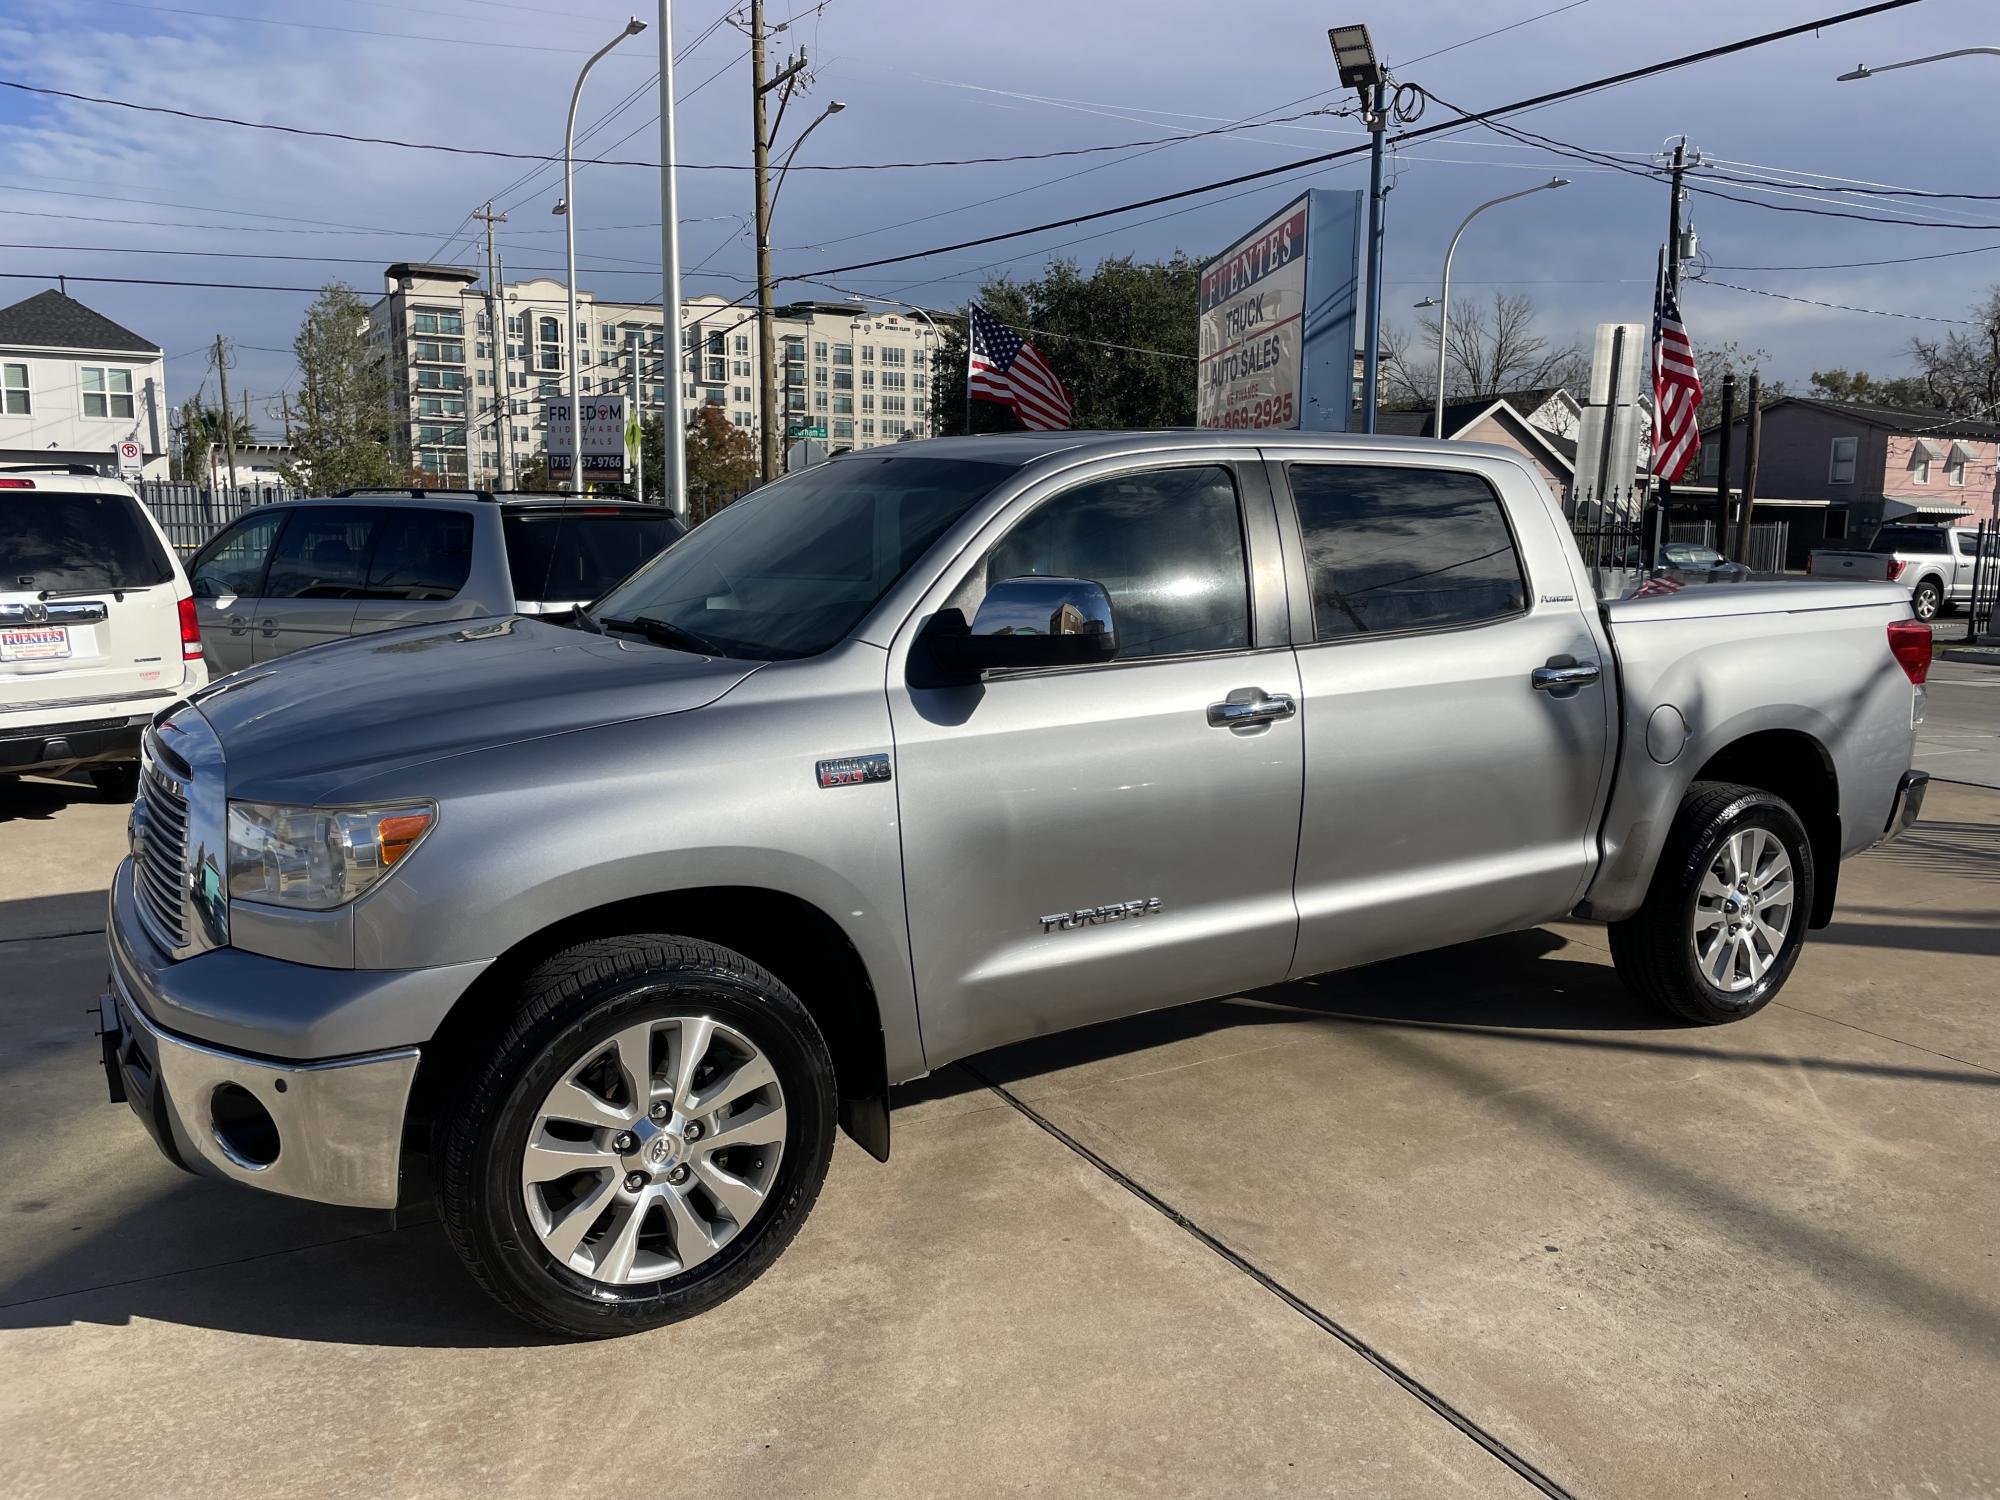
[233, 564]
[1391, 548]
[50, 540]
[323, 553]
[569, 556]
[423, 554]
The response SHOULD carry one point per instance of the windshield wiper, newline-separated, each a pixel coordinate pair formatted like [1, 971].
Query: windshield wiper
[667, 633]
[582, 615]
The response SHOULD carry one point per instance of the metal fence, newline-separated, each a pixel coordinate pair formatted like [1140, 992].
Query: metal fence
[1985, 582]
[1769, 541]
[192, 513]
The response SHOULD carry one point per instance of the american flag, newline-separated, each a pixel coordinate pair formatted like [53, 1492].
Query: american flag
[1676, 389]
[1654, 586]
[1005, 367]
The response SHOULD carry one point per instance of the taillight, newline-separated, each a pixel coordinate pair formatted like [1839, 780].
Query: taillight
[17, 484]
[190, 632]
[1809, 564]
[1896, 566]
[1910, 644]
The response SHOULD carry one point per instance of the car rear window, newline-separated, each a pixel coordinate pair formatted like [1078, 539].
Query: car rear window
[566, 556]
[58, 541]
[1910, 539]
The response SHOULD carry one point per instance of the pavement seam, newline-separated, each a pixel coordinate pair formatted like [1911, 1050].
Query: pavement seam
[1884, 1036]
[43, 937]
[1465, 1425]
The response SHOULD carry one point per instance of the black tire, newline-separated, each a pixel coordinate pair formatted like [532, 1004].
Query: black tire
[570, 1005]
[1653, 949]
[119, 783]
[1928, 600]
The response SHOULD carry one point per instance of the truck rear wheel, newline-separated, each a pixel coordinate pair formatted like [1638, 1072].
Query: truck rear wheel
[1928, 600]
[1726, 914]
[642, 1142]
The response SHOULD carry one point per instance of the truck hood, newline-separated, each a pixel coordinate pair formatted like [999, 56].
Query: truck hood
[300, 727]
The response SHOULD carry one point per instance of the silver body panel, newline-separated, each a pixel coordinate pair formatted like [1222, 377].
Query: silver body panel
[1052, 847]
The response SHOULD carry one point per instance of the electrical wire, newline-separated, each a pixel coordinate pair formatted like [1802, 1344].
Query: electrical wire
[1855, 265]
[398, 36]
[1835, 306]
[1496, 31]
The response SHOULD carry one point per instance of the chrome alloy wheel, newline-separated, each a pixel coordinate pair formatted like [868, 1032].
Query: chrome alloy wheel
[1743, 910]
[655, 1150]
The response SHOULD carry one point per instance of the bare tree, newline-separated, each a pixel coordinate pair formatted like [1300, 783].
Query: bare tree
[1493, 347]
[1962, 370]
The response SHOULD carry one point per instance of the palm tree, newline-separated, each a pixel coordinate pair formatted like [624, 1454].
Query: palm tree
[200, 425]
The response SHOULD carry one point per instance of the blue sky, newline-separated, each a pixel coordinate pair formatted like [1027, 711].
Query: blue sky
[954, 79]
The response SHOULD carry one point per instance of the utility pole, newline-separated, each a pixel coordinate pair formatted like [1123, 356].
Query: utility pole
[228, 429]
[1751, 440]
[497, 330]
[673, 415]
[1722, 464]
[1376, 115]
[767, 343]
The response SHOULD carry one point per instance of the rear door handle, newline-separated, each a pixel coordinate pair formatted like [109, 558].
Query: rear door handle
[1264, 708]
[1556, 679]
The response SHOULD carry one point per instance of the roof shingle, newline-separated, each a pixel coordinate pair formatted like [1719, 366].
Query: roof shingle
[53, 320]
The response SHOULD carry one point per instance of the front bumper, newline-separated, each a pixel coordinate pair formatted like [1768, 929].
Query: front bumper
[1909, 803]
[65, 747]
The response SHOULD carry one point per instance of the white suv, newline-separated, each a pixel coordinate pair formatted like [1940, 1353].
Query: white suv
[97, 625]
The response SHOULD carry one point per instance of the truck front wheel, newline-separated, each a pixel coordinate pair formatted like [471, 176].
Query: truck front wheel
[1726, 913]
[643, 1140]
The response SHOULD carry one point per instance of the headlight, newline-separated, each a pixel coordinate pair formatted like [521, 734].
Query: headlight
[318, 857]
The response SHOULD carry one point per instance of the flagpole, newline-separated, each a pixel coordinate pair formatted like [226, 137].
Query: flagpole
[968, 367]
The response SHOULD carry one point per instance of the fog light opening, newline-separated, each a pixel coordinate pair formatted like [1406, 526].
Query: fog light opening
[243, 1127]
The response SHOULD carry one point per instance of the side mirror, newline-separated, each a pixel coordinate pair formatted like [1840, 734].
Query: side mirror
[1033, 622]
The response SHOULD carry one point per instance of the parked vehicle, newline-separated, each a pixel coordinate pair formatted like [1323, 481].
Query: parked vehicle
[590, 930]
[1934, 562]
[304, 572]
[97, 629]
[1690, 561]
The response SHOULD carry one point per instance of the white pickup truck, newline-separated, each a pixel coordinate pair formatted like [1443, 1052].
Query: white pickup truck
[1935, 563]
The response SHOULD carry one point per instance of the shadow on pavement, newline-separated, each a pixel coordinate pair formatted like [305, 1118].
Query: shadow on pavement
[1969, 851]
[41, 798]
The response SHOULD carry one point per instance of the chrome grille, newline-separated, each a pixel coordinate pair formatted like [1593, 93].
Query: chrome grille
[160, 870]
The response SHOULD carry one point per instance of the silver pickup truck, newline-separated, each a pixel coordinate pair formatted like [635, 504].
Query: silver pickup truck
[1935, 565]
[593, 930]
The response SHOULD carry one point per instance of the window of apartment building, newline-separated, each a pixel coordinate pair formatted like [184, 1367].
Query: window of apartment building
[893, 403]
[740, 392]
[716, 395]
[609, 333]
[440, 380]
[440, 351]
[485, 376]
[742, 419]
[867, 380]
[795, 401]
[843, 380]
[868, 354]
[819, 374]
[547, 388]
[868, 403]
[843, 427]
[843, 354]
[436, 320]
[440, 406]
[892, 428]
[14, 381]
[520, 434]
[483, 324]
[894, 356]
[583, 386]
[715, 369]
[819, 349]
[1840, 465]
[482, 350]
[819, 400]
[548, 344]
[739, 367]
[742, 343]
[1954, 471]
[868, 427]
[517, 324]
[894, 380]
[1920, 471]
[106, 393]
[916, 359]
[843, 405]
[485, 405]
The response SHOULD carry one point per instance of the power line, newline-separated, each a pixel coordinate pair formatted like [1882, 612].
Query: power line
[1535, 101]
[399, 36]
[640, 269]
[1835, 306]
[1855, 265]
[1496, 31]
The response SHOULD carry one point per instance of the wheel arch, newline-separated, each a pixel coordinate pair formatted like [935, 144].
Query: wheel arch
[1792, 764]
[797, 941]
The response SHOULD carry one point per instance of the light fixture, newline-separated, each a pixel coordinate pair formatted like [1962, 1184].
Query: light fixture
[634, 26]
[835, 107]
[1354, 53]
[562, 206]
[1427, 302]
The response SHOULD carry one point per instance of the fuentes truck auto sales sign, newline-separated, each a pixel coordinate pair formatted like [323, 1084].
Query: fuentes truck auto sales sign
[1277, 320]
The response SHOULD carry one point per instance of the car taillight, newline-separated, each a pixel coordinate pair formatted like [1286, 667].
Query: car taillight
[1896, 566]
[17, 484]
[1910, 644]
[190, 632]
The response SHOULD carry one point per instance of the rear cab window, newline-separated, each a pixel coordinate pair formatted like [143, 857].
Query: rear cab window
[572, 555]
[53, 541]
[1917, 539]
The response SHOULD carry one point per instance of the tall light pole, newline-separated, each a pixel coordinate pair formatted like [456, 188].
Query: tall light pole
[1444, 310]
[1354, 55]
[1864, 71]
[632, 28]
[777, 187]
[673, 419]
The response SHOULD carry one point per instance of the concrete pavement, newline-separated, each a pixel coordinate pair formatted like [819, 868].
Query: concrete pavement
[1960, 736]
[1472, 1223]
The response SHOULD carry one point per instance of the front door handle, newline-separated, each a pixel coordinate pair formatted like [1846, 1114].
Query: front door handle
[1262, 708]
[1566, 677]
[267, 625]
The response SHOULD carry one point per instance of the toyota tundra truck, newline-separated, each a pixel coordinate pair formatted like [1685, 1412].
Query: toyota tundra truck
[594, 929]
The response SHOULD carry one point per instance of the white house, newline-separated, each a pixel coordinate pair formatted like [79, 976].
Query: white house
[74, 385]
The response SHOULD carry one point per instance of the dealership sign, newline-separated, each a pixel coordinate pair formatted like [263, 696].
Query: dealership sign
[1277, 320]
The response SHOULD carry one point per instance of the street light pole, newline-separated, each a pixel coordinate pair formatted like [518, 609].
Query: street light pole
[1444, 310]
[673, 417]
[632, 28]
[1864, 71]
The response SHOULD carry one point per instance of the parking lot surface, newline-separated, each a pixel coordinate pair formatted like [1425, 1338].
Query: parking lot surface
[1474, 1223]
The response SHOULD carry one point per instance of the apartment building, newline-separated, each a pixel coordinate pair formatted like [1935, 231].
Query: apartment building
[471, 396]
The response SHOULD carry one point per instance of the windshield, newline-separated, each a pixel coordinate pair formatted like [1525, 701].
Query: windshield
[790, 569]
[569, 555]
[52, 542]
[1689, 555]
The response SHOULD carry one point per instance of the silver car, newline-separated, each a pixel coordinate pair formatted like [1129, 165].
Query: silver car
[592, 930]
[305, 572]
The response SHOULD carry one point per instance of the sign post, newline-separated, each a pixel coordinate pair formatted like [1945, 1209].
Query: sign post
[1277, 320]
[601, 432]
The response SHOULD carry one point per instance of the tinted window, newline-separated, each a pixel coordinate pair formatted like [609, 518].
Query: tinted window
[791, 568]
[421, 554]
[322, 553]
[1918, 539]
[572, 556]
[234, 562]
[50, 540]
[1166, 544]
[1403, 549]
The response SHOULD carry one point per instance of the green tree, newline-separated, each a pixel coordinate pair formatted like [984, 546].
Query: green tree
[1122, 337]
[722, 463]
[346, 435]
[199, 425]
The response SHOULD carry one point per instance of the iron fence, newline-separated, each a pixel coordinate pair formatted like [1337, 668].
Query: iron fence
[1985, 582]
[192, 513]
